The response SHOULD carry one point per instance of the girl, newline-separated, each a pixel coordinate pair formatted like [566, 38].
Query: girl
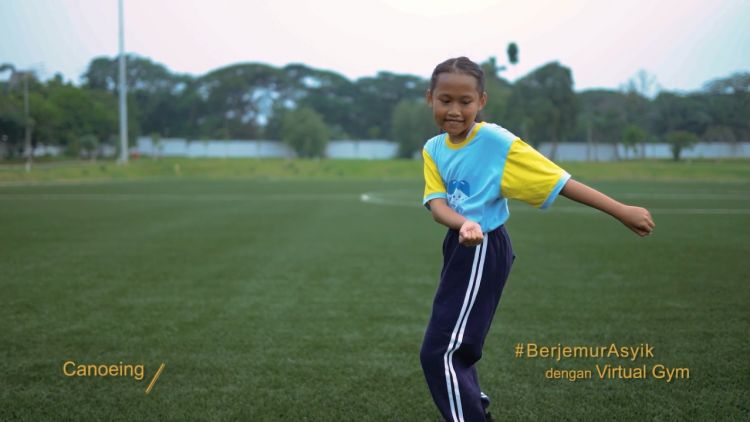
[471, 170]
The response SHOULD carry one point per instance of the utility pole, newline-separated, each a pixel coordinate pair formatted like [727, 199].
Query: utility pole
[123, 94]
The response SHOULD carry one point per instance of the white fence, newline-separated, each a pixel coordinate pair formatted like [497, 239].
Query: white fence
[382, 149]
[581, 151]
[370, 150]
[179, 147]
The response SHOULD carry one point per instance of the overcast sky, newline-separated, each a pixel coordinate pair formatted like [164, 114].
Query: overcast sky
[684, 43]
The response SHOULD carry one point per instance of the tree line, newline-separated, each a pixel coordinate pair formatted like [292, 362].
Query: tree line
[307, 107]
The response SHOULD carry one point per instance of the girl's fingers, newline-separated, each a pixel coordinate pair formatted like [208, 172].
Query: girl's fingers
[640, 230]
[650, 219]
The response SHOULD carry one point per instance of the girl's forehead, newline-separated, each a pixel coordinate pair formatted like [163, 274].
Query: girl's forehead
[456, 83]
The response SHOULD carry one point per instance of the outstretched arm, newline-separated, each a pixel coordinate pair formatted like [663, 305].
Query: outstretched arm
[636, 219]
[469, 232]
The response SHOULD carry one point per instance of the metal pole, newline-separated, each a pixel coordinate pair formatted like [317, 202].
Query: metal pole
[27, 147]
[123, 94]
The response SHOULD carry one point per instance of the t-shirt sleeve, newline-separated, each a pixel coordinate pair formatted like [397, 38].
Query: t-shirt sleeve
[433, 183]
[531, 177]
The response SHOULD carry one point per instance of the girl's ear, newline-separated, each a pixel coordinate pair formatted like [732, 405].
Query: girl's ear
[428, 97]
[482, 100]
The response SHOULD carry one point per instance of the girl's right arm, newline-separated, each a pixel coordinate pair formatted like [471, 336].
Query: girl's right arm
[469, 232]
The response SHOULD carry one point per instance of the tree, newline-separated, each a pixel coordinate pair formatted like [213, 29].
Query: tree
[237, 101]
[546, 98]
[80, 112]
[492, 69]
[157, 95]
[12, 119]
[633, 135]
[25, 81]
[727, 101]
[736, 83]
[142, 75]
[329, 93]
[412, 125]
[12, 123]
[680, 140]
[512, 53]
[643, 83]
[377, 97]
[89, 144]
[638, 110]
[674, 112]
[305, 131]
[499, 92]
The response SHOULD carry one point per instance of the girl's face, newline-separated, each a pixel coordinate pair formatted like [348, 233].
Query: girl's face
[455, 103]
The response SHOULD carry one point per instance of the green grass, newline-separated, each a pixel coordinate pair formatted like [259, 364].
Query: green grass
[275, 169]
[294, 300]
[213, 168]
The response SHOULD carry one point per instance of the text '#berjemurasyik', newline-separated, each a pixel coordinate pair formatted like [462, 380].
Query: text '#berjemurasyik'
[602, 370]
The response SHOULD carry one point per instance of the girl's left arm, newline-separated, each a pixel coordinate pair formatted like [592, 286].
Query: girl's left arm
[636, 219]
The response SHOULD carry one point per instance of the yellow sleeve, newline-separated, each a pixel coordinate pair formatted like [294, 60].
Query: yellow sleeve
[531, 177]
[433, 183]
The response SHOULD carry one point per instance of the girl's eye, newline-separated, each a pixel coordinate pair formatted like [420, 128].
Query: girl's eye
[445, 101]
[466, 102]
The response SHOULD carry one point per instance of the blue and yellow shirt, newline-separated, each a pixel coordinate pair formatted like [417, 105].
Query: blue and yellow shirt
[478, 175]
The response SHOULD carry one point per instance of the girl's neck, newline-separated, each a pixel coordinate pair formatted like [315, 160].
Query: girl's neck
[463, 138]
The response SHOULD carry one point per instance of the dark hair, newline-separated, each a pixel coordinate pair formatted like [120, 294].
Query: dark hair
[460, 65]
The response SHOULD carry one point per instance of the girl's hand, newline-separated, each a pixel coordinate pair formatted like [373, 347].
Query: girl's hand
[637, 219]
[470, 234]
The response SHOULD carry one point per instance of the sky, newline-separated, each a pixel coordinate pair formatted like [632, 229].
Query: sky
[682, 43]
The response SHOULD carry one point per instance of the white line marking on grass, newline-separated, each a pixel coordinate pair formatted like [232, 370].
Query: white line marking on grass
[584, 210]
[687, 196]
[381, 199]
[176, 197]
[68, 182]
[388, 199]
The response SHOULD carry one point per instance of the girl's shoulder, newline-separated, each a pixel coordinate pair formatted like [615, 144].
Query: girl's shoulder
[433, 142]
[498, 133]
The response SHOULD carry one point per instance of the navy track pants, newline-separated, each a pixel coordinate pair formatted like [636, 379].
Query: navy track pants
[471, 283]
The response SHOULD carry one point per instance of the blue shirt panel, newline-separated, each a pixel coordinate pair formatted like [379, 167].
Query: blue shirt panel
[472, 174]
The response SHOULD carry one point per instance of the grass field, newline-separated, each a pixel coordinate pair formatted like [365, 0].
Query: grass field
[276, 298]
[282, 169]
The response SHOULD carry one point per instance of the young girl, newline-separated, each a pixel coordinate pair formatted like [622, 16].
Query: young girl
[471, 170]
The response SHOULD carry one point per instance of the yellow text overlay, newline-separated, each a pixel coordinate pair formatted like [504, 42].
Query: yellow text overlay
[609, 372]
[72, 369]
[560, 351]
[630, 353]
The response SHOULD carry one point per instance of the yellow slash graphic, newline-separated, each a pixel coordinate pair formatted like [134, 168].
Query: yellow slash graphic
[156, 377]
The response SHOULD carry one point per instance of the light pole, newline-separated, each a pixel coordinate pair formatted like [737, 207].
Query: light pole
[27, 119]
[15, 77]
[28, 122]
[123, 94]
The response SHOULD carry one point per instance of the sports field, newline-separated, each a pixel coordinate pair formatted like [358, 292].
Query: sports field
[291, 299]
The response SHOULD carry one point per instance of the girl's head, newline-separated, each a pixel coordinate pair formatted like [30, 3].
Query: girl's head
[456, 95]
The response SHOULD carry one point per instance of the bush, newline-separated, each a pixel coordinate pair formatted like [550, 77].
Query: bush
[305, 131]
[679, 141]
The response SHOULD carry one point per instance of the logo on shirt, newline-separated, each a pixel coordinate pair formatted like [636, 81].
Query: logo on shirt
[458, 192]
